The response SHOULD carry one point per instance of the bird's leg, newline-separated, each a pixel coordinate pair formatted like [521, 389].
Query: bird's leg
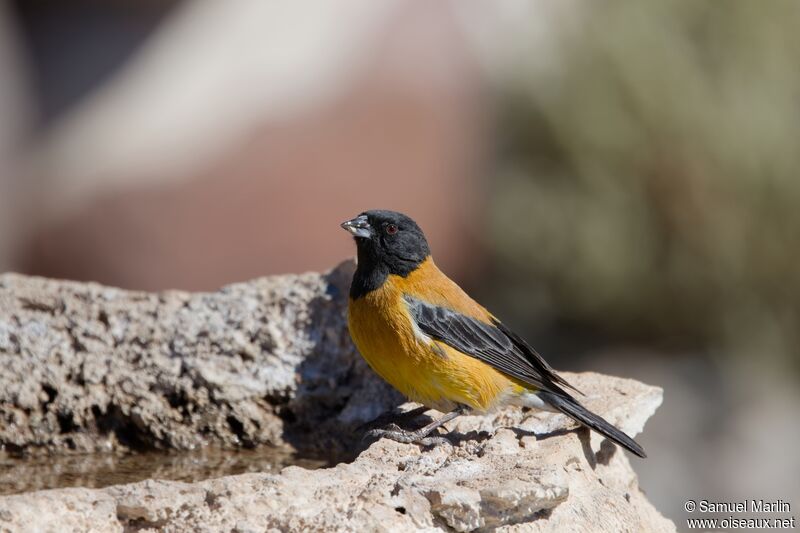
[419, 436]
[410, 414]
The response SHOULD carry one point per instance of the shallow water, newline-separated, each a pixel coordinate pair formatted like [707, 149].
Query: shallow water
[101, 470]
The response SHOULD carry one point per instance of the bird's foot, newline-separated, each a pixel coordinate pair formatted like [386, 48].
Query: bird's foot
[395, 433]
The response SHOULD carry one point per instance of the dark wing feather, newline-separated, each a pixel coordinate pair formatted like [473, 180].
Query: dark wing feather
[493, 344]
[533, 356]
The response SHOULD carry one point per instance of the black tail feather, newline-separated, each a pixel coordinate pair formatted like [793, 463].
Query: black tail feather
[570, 407]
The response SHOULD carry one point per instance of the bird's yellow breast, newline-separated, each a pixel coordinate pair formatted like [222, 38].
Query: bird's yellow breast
[427, 371]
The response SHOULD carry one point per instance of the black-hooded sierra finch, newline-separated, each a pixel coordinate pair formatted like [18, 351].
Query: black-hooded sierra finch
[424, 335]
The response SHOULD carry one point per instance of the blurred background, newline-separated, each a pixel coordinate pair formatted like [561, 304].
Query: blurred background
[617, 180]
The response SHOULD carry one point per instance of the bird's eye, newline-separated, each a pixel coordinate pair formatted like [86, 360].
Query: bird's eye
[391, 229]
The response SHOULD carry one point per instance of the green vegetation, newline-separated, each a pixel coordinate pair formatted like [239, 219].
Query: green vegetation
[653, 182]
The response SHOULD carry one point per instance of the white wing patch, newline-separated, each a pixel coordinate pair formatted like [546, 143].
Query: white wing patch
[424, 338]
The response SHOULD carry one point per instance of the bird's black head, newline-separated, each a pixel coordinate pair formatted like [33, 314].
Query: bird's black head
[388, 243]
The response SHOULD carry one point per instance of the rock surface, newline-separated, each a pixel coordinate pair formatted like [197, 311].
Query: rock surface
[510, 471]
[88, 368]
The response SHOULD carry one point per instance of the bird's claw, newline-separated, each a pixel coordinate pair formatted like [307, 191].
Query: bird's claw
[432, 442]
[393, 432]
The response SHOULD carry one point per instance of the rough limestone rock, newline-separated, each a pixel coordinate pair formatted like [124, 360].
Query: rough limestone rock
[509, 471]
[88, 368]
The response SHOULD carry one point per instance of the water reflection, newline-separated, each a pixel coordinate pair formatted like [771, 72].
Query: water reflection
[101, 470]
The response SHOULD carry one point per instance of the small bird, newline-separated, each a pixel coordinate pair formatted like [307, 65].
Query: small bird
[424, 335]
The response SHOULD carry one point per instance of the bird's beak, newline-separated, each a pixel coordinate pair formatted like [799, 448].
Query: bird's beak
[359, 227]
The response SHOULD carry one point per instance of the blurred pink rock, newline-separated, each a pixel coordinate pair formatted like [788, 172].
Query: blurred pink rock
[403, 128]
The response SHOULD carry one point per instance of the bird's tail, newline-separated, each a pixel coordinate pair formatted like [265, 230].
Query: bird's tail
[570, 407]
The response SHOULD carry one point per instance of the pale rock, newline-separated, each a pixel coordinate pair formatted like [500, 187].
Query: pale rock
[93, 369]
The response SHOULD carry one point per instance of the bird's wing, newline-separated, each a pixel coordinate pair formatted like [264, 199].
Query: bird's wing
[493, 344]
